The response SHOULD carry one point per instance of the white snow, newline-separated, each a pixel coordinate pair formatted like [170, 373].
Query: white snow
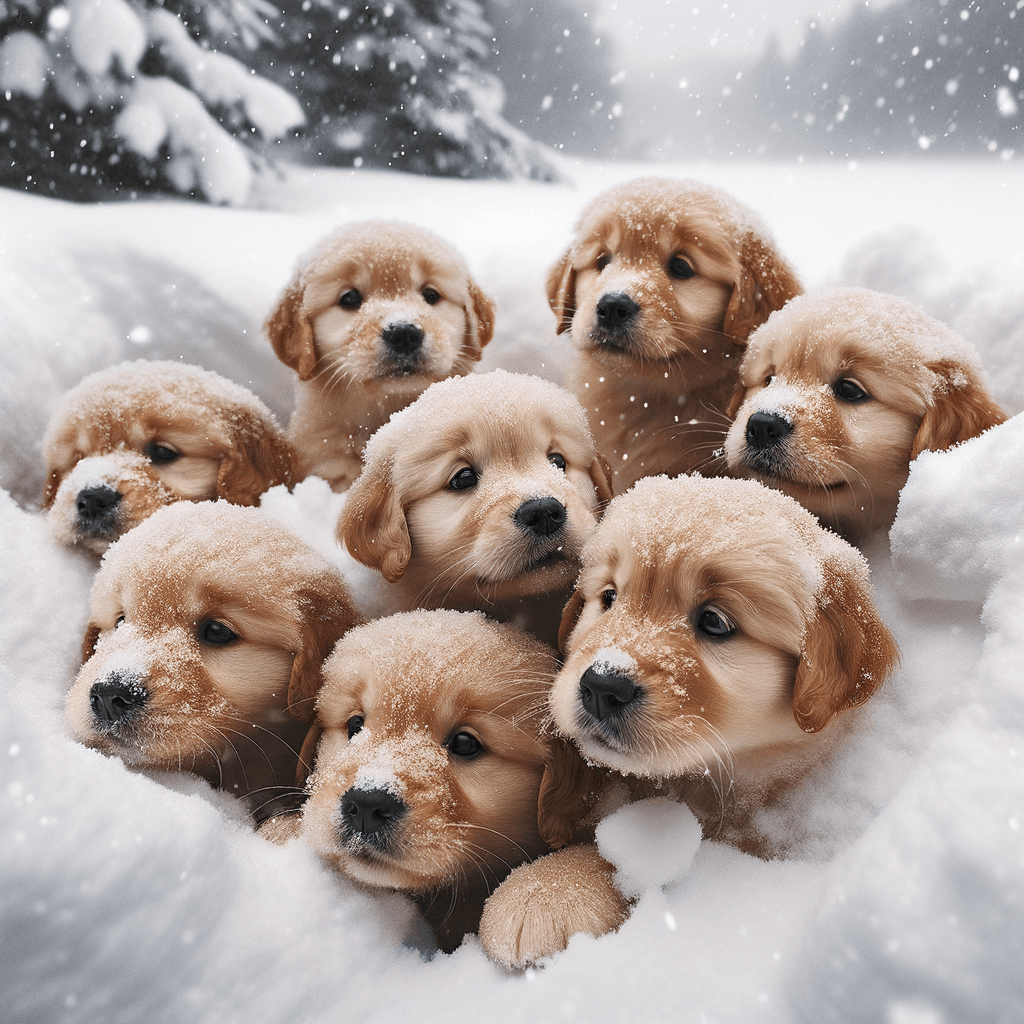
[126, 896]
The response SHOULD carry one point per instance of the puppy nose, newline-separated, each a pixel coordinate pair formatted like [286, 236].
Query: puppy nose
[403, 339]
[765, 429]
[541, 516]
[115, 699]
[95, 504]
[367, 811]
[616, 309]
[606, 694]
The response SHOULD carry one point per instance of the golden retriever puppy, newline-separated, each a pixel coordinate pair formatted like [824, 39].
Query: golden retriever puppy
[140, 435]
[480, 495]
[374, 313]
[429, 756]
[208, 627]
[716, 649]
[841, 391]
[659, 291]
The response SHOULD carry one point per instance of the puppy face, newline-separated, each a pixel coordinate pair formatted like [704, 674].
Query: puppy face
[483, 489]
[662, 269]
[431, 757]
[714, 622]
[131, 439]
[207, 624]
[840, 391]
[383, 304]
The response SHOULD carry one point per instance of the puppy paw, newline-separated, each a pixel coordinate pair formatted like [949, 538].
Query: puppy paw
[541, 905]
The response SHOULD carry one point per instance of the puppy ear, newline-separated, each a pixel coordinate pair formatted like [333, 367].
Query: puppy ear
[961, 409]
[479, 319]
[561, 288]
[766, 283]
[569, 789]
[307, 756]
[847, 651]
[92, 635]
[372, 522]
[570, 615]
[601, 478]
[291, 332]
[50, 488]
[257, 459]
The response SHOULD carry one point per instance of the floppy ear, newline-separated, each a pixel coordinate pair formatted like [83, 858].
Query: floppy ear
[307, 756]
[569, 789]
[291, 332]
[257, 458]
[601, 478]
[50, 488]
[372, 522]
[961, 409]
[479, 319]
[766, 284]
[570, 615]
[561, 288]
[92, 634]
[847, 651]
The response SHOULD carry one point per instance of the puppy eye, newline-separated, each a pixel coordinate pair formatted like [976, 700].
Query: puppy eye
[680, 268]
[431, 296]
[160, 453]
[715, 624]
[350, 299]
[464, 745]
[608, 598]
[355, 724]
[216, 633]
[602, 261]
[463, 480]
[119, 620]
[557, 460]
[769, 379]
[849, 391]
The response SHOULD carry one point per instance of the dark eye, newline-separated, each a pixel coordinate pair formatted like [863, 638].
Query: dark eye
[848, 391]
[465, 745]
[157, 452]
[557, 460]
[680, 268]
[214, 632]
[608, 598]
[463, 480]
[431, 296]
[350, 299]
[120, 619]
[769, 379]
[602, 261]
[355, 724]
[715, 624]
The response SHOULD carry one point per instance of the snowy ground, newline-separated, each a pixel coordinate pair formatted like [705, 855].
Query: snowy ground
[127, 898]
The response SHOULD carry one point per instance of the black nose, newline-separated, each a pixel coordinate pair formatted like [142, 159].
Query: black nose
[96, 505]
[116, 699]
[403, 339]
[606, 694]
[369, 812]
[766, 429]
[541, 516]
[615, 311]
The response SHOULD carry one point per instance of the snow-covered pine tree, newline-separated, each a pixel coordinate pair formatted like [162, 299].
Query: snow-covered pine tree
[109, 97]
[399, 84]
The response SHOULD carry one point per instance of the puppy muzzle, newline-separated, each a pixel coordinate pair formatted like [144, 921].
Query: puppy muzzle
[767, 449]
[370, 818]
[607, 700]
[117, 702]
[615, 321]
[98, 511]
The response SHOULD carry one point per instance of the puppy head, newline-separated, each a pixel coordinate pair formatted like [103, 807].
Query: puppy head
[383, 303]
[713, 619]
[660, 268]
[132, 438]
[840, 391]
[205, 621]
[485, 488]
[431, 754]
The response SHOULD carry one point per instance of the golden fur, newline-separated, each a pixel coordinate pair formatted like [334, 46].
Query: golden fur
[208, 627]
[841, 391]
[374, 313]
[507, 543]
[716, 647]
[135, 437]
[428, 759]
[659, 291]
